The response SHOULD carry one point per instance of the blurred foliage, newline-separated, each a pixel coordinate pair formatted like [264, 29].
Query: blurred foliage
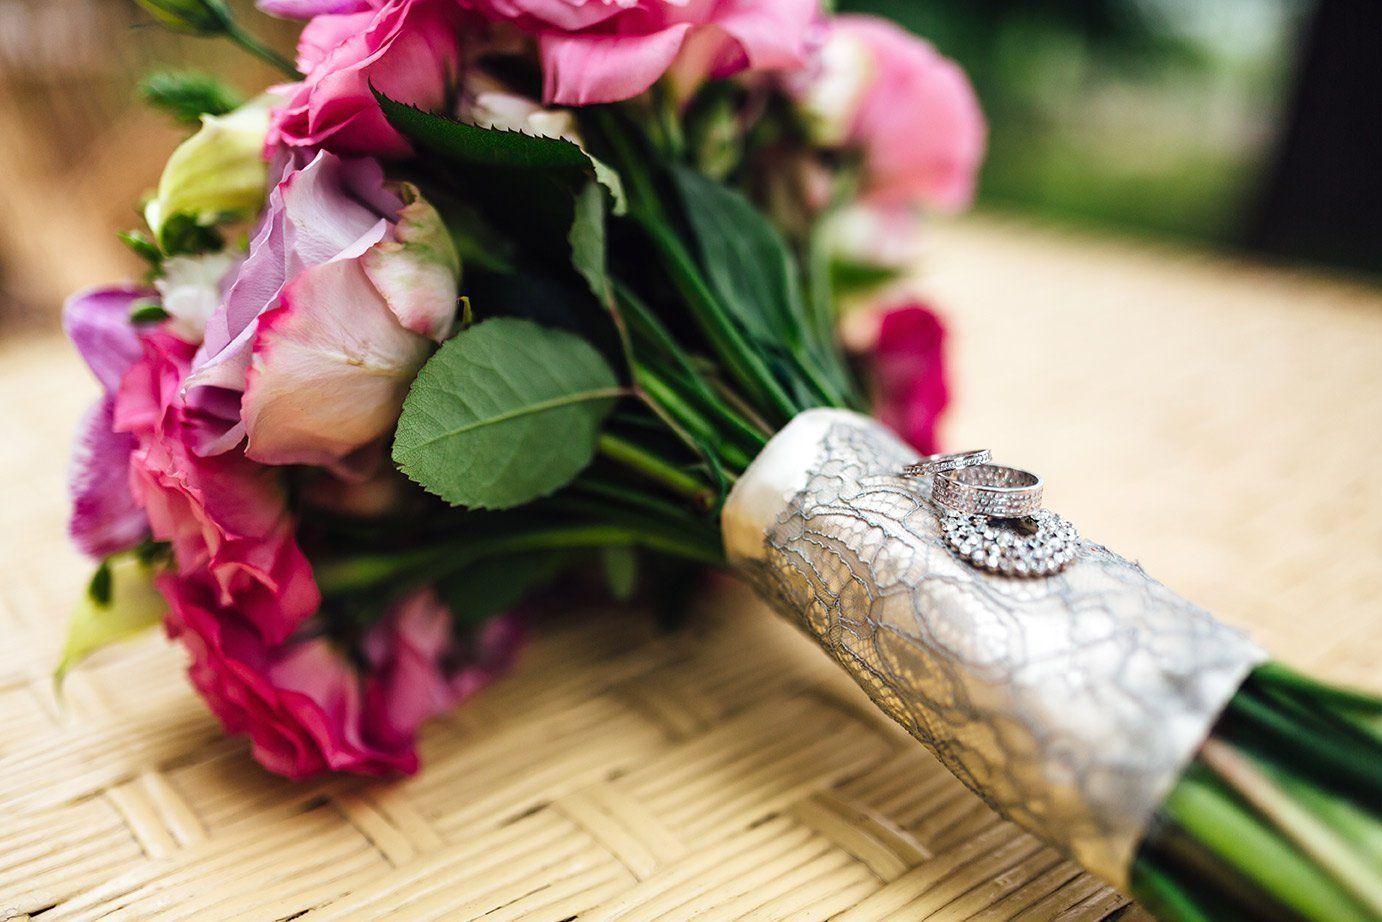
[188, 95]
[1155, 115]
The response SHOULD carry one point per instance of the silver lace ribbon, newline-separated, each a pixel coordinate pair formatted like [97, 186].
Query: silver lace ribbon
[1070, 703]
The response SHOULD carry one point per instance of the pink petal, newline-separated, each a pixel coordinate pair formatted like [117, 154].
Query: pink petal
[329, 209]
[919, 123]
[328, 31]
[417, 271]
[584, 69]
[306, 9]
[770, 36]
[567, 15]
[330, 370]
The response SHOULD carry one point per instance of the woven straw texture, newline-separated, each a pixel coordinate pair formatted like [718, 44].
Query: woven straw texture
[1219, 422]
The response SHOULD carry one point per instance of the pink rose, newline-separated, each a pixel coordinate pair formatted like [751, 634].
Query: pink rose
[912, 112]
[225, 516]
[347, 287]
[596, 51]
[105, 517]
[307, 707]
[417, 669]
[409, 50]
[908, 370]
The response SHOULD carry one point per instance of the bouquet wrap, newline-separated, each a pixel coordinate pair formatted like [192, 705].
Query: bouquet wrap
[1071, 704]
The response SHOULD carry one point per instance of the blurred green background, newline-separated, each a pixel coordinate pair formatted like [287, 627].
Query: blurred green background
[1172, 117]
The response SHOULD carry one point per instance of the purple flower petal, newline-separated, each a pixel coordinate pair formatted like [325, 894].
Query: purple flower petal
[98, 323]
[105, 517]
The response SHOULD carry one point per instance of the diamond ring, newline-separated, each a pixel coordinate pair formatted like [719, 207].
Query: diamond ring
[935, 464]
[988, 489]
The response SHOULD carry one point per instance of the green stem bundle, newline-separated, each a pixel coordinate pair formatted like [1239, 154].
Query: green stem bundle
[1280, 814]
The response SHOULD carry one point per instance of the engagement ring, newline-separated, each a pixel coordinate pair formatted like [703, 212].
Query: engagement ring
[953, 461]
[988, 489]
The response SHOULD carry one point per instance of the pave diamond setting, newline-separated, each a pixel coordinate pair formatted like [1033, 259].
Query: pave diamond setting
[988, 489]
[1040, 544]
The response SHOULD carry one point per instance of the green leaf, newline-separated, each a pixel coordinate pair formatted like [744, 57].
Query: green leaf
[620, 565]
[140, 244]
[853, 278]
[553, 159]
[746, 260]
[755, 276]
[147, 310]
[493, 147]
[120, 603]
[608, 177]
[188, 95]
[99, 589]
[182, 235]
[588, 242]
[505, 412]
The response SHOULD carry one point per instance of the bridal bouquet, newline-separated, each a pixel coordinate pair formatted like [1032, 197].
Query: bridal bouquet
[493, 293]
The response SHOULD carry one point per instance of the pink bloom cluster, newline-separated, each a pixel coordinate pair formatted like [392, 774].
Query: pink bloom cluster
[590, 52]
[910, 112]
[913, 115]
[288, 364]
[305, 360]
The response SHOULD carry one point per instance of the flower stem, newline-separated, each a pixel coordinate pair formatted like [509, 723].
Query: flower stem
[351, 575]
[655, 469]
[1255, 851]
[1167, 899]
[260, 50]
[1305, 829]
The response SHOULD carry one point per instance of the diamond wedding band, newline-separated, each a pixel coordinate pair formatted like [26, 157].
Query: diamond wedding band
[938, 463]
[988, 489]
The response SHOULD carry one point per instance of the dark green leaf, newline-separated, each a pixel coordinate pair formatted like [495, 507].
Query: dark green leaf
[188, 95]
[147, 311]
[99, 587]
[746, 260]
[183, 236]
[505, 412]
[459, 143]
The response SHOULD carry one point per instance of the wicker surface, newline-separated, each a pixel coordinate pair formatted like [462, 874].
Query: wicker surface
[1220, 423]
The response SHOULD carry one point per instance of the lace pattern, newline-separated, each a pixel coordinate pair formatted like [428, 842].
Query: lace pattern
[1069, 703]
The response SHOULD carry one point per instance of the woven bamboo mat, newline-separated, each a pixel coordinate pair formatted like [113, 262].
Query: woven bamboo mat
[1220, 422]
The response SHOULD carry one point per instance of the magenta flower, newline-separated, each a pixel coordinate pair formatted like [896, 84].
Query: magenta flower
[908, 369]
[105, 517]
[409, 50]
[307, 708]
[608, 50]
[226, 517]
[417, 668]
